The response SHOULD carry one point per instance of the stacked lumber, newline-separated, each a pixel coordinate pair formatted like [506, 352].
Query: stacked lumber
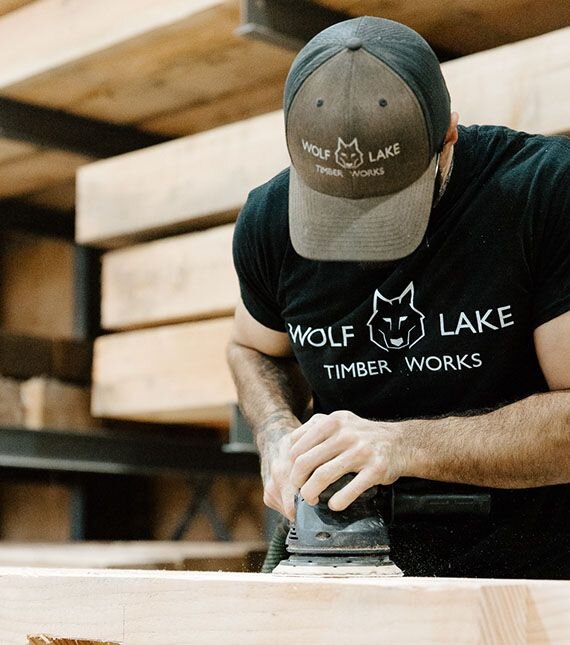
[177, 67]
[42, 403]
[183, 285]
[44, 363]
[174, 68]
[178, 608]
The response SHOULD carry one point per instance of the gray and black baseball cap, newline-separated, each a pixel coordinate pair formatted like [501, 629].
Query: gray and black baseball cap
[366, 113]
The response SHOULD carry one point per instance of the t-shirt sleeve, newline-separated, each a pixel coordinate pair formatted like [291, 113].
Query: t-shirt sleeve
[257, 261]
[552, 285]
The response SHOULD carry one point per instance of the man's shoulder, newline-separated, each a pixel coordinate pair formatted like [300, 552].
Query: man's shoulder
[272, 195]
[515, 147]
[263, 219]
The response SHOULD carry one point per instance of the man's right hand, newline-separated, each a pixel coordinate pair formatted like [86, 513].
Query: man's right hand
[276, 464]
[273, 394]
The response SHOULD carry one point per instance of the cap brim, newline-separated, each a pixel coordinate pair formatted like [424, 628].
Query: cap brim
[324, 227]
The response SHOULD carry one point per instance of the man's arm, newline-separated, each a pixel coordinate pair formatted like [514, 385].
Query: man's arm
[273, 395]
[524, 444]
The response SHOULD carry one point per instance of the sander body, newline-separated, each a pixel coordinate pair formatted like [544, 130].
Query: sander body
[355, 541]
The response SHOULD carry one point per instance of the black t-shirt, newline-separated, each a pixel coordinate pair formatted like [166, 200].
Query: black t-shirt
[448, 329]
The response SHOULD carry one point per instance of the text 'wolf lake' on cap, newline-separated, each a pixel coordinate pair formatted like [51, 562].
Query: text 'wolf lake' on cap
[366, 112]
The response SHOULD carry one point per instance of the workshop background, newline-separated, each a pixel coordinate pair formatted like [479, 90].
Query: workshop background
[130, 134]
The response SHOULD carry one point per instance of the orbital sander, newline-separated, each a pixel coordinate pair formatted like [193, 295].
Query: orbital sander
[355, 542]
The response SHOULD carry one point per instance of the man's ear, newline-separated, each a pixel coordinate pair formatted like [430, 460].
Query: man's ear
[452, 135]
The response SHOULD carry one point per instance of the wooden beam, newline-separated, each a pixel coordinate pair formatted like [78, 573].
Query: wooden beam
[61, 35]
[37, 171]
[11, 5]
[524, 86]
[465, 26]
[171, 608]
[171, 374]
[187, 277]
[134, 61]
[195, 555]
[218, 171]
[11, 412]
[131, 64]
[218, 174]
[49, 403]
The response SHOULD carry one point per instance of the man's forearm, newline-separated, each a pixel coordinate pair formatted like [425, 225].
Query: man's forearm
[272, 393]
[524, 444]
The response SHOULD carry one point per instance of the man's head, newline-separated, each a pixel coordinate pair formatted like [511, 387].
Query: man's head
[367, 114]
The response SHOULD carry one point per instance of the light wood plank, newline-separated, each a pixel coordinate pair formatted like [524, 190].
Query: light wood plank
[229, 108]
[200, 176]
[173, 374]
[188, 277]
[49, 403]
[11, 412]
[179, 608]
[36, 171]
[49, 34]
[135, 60]
[524, 86]
[465, 26]
[127, 555]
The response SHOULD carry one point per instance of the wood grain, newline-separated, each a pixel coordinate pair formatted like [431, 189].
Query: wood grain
[172, 374]
[126, 555]
[465, 26]
[201, 178]
[178, 608]
[187, 277]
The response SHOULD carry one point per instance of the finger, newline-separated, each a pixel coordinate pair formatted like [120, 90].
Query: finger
[349, 493]
[316, 419]
[305, 464]
[312, 435]
[288, 505]
[324, 476]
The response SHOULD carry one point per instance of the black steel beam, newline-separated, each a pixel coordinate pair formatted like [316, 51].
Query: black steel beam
[56, 129]
[292, 23]
[112, 453]
[19, 215]
[286, 23]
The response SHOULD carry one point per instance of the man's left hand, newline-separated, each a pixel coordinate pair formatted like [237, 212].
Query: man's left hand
[329, 446]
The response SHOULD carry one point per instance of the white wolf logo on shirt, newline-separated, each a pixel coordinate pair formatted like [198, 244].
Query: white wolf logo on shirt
[396, 323]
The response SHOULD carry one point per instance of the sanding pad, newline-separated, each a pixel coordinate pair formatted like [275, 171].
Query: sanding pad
[335, 567]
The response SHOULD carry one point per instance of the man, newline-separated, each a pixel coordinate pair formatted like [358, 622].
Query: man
[413, 276]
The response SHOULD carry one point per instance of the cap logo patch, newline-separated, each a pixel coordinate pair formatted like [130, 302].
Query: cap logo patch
[348, 155]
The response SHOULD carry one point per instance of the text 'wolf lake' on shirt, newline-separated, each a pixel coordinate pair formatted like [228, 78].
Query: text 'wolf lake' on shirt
[448, 328]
